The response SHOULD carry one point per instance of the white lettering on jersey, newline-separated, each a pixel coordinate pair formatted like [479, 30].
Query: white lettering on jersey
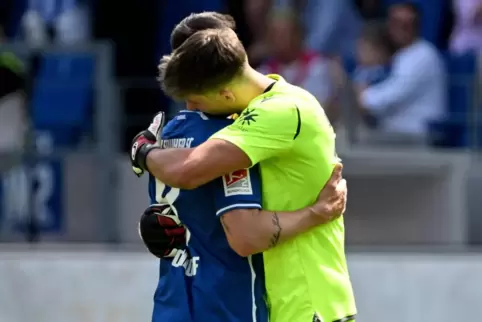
[201, 114]
[190, 264]
[177, 143]
[237, 183]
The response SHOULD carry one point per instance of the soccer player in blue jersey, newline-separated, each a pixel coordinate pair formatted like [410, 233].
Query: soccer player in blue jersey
[206, 281]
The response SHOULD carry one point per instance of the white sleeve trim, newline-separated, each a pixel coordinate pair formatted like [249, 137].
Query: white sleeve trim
[238, 205]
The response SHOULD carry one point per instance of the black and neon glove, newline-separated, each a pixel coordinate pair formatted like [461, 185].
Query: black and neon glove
[161, 231]
[144, 142]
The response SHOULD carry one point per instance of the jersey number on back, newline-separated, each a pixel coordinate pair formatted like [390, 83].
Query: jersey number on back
[166, 195]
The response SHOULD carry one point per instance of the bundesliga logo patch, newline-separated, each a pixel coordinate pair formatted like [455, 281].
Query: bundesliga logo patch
[237, 183]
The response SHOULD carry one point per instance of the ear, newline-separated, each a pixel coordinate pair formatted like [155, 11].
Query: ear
[227, 95]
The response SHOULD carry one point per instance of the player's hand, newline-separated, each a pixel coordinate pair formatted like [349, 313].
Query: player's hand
[331, 202]
[161, 231]
[144, 142]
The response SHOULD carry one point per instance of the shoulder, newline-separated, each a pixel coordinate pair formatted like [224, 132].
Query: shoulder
[427, 50]
[281, 108]
[270, 115]
[421, 59]
[276, 104]
[420, 51]
[196, 125]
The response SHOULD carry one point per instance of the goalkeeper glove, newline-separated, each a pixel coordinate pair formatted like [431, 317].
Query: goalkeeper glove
[144, 142]
[161, 231]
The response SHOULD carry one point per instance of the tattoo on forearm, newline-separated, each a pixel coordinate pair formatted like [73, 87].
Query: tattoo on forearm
[226, 228]
[276, 235]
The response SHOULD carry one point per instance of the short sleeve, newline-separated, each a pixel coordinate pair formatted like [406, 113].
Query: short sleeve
[264, 130]
[240, 189]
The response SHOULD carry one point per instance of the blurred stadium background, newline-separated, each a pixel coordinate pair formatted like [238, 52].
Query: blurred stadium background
[78, 82]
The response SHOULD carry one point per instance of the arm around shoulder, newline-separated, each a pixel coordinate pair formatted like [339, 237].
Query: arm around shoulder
[251, 231]
[191, 168]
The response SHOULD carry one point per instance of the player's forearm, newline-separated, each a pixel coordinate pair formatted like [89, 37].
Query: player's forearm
[191, 168]
[278, 227]
[261, 230]
[170, 166]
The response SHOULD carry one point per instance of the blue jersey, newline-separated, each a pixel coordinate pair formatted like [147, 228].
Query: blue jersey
[371, 75]
[208, 281]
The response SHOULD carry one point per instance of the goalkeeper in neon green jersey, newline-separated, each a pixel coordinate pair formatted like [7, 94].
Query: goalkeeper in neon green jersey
[282, 128]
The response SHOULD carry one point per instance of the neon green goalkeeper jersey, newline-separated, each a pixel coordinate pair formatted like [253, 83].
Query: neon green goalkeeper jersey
[286, 131]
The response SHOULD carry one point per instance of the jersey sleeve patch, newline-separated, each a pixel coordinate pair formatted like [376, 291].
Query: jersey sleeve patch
[239, 189]
[237, 183]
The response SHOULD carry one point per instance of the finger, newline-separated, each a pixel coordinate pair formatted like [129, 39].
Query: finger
[338, 215]
[138, 171]
[167, 221]
[172, 232]
[157, 124]
[335, 175]
[339, 194]
[342, 187]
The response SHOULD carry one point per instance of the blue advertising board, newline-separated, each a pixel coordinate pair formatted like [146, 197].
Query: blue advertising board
[33, 190]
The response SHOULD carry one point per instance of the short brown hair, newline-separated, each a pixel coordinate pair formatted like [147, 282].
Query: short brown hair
[199, 21]
[206, 61]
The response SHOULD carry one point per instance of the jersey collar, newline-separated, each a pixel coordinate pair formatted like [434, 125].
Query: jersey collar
[276, 77]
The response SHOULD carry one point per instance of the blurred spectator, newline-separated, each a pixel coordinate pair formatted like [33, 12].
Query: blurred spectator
[467, 34]
[13, 120]
[256, 12]
[63, 21]
[373, 56]
[373, 61]
[290, 59]
[370, 9]
[414, 92]
[236, 9]
[331, 26]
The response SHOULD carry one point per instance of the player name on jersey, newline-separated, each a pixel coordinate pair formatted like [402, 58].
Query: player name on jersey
[177, 143]
[190, 264]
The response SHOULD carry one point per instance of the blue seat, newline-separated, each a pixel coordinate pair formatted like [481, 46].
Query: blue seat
[462, 72]
[62, 108]
[62, 96]
[56, 102]
[448, 133]
[454, 131]
[79, 67]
